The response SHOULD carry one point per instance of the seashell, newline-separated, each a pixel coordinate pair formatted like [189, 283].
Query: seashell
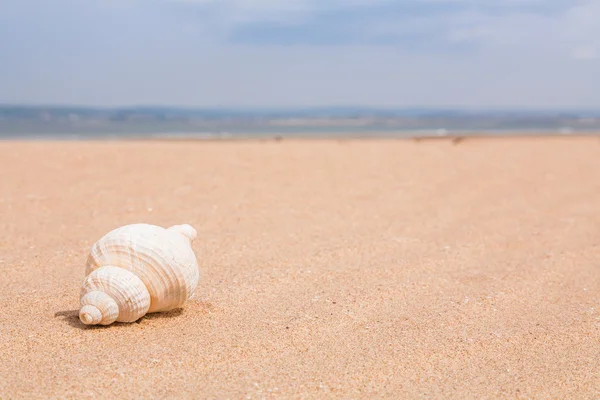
[138, 269]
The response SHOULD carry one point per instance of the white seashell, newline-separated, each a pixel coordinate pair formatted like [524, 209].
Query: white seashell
[138, 269]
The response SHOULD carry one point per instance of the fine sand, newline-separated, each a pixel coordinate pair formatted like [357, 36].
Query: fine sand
[331, 269]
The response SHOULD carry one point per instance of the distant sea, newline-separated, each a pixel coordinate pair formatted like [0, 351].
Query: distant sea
[81, 123]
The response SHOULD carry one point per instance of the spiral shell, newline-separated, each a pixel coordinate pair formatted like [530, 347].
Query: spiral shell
[138, 269]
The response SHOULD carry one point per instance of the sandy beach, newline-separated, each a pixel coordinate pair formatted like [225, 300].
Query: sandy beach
[330, 269]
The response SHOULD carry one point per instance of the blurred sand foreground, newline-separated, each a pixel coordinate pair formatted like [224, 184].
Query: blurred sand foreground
[332, 269]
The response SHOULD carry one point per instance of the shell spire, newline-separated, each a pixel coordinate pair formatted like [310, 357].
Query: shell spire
[138, 269]
[186, 230]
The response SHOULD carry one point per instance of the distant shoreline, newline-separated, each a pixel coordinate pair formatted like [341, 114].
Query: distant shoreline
[85, 123]
[456, 135]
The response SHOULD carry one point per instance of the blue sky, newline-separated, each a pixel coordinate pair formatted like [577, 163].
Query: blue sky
[265, 53]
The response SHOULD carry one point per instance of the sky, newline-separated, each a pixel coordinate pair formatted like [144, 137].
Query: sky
[297, 53]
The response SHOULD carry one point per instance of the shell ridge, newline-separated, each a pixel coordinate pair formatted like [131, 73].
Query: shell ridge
[161, 260]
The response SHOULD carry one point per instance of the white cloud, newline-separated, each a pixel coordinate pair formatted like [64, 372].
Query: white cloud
[480, 53]
[586, 53]
[572, 33]
[582, 28]
[561, 27]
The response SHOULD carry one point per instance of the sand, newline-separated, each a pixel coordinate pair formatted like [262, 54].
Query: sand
[331, 269]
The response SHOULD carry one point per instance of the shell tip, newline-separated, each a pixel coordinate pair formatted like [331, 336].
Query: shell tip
[186, 230]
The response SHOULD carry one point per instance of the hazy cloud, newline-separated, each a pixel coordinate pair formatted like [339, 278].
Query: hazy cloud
[376, 22]
[265, 52]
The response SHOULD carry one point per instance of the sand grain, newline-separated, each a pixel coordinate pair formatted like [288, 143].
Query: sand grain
[345, 269]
